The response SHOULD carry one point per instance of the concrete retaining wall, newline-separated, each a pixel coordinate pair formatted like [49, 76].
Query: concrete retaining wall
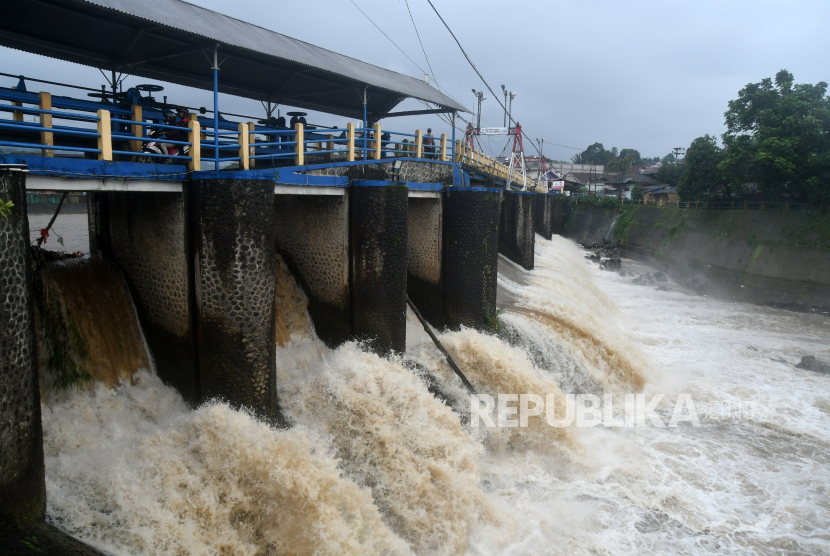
[379, 245]
[471, 256]
[589, 224]
[148, 239]
[22, 479]
[516, 231]
[312, 236]
[424, 256]
[767, 257]
[235, 235]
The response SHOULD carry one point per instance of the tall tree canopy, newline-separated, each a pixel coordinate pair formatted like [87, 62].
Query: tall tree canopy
[595, 154]
[778, 136]
[633, 154]
[671, 173]
[702, 177]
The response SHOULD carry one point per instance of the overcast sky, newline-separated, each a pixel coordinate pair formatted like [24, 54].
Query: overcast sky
[649, 75]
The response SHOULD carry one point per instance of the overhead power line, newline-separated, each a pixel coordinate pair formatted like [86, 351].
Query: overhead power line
[424, 50]
[443, 94]
[387, 36]
[495, 96]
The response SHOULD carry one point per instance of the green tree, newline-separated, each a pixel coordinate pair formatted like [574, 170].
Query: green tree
[703, 177]
[636, 192]
[595, 154]
[620, 168]
[634, 154]
[671, 173]
[778, 136]
[668, 159]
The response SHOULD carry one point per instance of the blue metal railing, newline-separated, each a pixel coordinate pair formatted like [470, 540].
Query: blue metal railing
[83, 131]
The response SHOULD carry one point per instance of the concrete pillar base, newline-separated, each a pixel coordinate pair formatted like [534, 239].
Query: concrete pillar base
[378, 249]
[147, 235]
[470, 256]
[235, 274]
[543, 215]
[517, 238]
[560, 215]
[22, 474]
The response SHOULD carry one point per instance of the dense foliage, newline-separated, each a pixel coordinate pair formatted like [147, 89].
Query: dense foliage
[597, 154]
[671, 173]
[700, 175]
[777, 139]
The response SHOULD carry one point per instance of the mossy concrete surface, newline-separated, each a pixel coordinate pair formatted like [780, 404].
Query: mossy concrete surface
[772, 257]
[25, 538]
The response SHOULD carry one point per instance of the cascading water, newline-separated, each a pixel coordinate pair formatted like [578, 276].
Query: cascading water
[376, 465]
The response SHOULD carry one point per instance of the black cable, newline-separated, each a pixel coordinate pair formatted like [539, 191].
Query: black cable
[495, 96]
[387, 36]
[424, 50]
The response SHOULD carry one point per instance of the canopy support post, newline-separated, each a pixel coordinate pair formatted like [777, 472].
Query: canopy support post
[453, 137]
[364, 121]
[215, 69]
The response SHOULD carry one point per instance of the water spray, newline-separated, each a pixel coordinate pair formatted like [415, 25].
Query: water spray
[440, 347]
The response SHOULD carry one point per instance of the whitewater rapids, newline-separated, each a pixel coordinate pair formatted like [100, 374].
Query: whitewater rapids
[377, 465]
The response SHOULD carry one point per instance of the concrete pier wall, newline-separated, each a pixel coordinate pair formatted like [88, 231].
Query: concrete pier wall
[516, 231]
[312, 236]
[149, 240]
[22, 475]
[543, 214]
[559, 216]
[424, 257]
[379, 240]
[470, 256]
[235, 274]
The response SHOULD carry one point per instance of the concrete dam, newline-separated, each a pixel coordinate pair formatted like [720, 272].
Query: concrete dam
[205, 287]
[311, 329]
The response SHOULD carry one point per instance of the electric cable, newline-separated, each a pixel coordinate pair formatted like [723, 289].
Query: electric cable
[495, 96]
[387, 36]
[443, 94]
[424, 50]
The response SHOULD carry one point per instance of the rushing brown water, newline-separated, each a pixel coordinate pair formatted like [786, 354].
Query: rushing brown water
[87, 323]
[375, 464]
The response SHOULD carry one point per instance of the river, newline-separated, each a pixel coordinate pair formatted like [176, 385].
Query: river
[376, 465]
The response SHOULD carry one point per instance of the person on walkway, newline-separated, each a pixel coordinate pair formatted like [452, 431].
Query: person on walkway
[429, 144]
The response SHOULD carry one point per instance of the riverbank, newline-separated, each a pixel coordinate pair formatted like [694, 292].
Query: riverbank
[775, 258]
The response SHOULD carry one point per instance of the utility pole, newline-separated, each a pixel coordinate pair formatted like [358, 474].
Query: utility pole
[480, 96]
[677, 151]
[510, 109]
[504, 90]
